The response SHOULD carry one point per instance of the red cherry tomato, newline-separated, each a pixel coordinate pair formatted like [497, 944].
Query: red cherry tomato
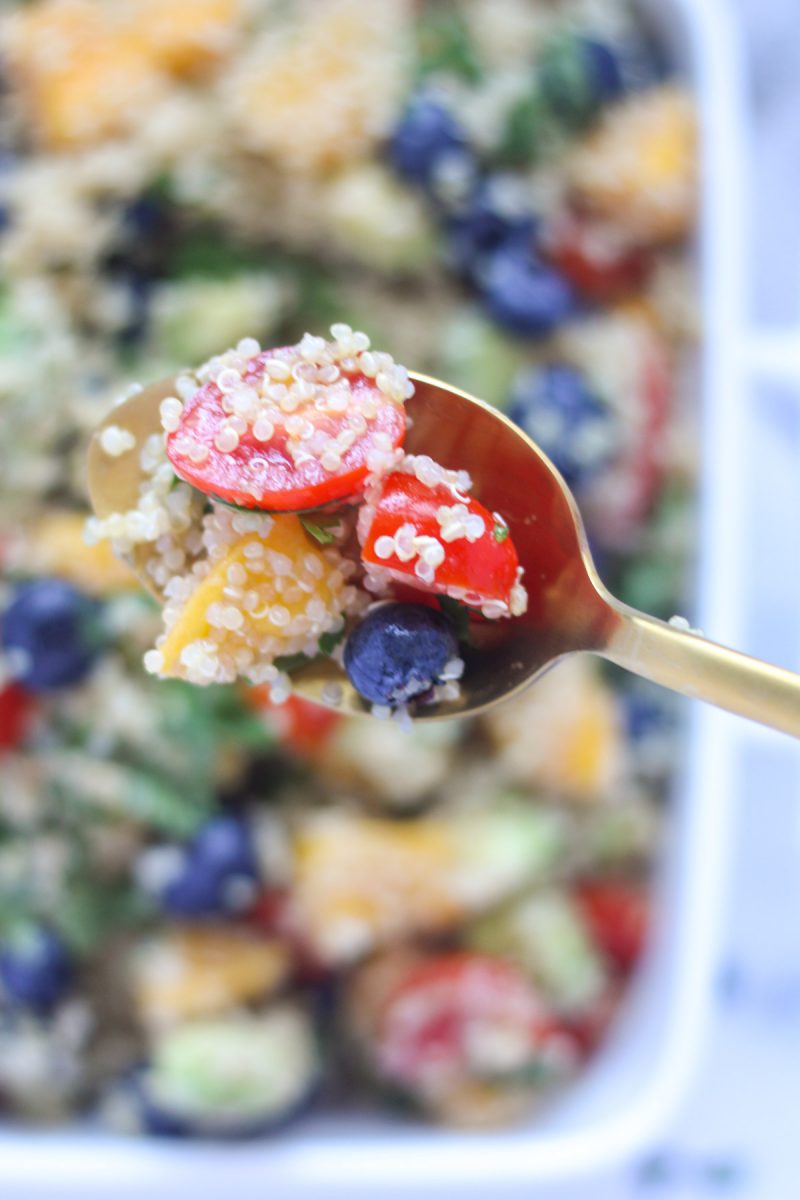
[478, 571]
[617, 914]
[264, 474]
[300, 725]
[16, 713]
[430, 1020]
[271, 914]
[595, 258]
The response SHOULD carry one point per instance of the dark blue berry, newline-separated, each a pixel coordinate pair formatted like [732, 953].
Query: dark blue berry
[138, 290]
[52, 629]
[398, 652]
[224, 844]
[523, 294]
[649, 712]
[36, 971]
[219, 872]
[556, 407]
[603, 70]
[426, 135]
[489, 220]
[146, 237]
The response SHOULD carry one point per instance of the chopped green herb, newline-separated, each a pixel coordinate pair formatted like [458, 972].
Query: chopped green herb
[500, 532]
[446, 45]
[458, 616]
[208, 253]
[521, 140]
[329, 641]
[291, 662]
[321, 529]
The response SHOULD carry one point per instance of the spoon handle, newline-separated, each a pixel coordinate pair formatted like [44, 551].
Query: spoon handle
[689, 663]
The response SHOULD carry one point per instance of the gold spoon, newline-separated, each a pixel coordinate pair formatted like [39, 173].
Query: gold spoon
[569, 609]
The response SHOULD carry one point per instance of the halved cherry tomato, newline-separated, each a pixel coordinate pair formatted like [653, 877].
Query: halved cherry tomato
[478, 570]
[16, 712]
[617, 913]
[595, 258]
[448, 1013]
[264, 474]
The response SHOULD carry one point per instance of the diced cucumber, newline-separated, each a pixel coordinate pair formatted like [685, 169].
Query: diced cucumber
[543, 933]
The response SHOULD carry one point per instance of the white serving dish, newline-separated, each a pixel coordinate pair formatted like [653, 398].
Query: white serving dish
[629, 1092]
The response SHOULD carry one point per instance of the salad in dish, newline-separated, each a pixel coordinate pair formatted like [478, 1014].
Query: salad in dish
[222, 908]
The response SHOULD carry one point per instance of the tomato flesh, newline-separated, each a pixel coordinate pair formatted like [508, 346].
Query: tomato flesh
[617, 914]
[596, 262]
[264, 474]
[16, 713]
[426, 1020]
[478, 572]
[300, 725]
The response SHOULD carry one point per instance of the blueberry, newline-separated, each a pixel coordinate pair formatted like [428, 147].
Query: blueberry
[523, 294]
[556, 408]
[218, 873]
[426, 135]
[398, 652]
[52, 629]
[224, 845]
[649, 712]
[36, 971]
[492, 218]
[603, 70]
[139, 290]
[145, 240]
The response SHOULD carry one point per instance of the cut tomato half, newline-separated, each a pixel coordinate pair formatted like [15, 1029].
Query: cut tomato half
[596, 258]
[443, 1013]
[16, 714]
[617, 914]
[268, 458]
[435, 538]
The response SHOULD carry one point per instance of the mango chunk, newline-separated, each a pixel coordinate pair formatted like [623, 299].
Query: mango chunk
[202, 970]
[639, 166]
[323, 88]
[265, 594]
[187, 37]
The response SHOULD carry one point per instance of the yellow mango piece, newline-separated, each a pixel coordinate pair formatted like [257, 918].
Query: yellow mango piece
[639, 166]
[291, 592]
[186, 37]
[362, 880]
[202, 970]
[324, 87]
[82, 77]
[55, 546]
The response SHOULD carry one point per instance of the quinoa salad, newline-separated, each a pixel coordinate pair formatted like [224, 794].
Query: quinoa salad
[222, 908]
[341, 544]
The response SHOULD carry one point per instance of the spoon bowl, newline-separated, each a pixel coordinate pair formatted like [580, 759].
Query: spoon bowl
[569, 609]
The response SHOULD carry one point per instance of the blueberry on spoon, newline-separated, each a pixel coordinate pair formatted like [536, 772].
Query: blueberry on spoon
[400, 652]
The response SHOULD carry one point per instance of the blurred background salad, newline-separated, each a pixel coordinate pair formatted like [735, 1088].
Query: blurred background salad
[219, 915]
